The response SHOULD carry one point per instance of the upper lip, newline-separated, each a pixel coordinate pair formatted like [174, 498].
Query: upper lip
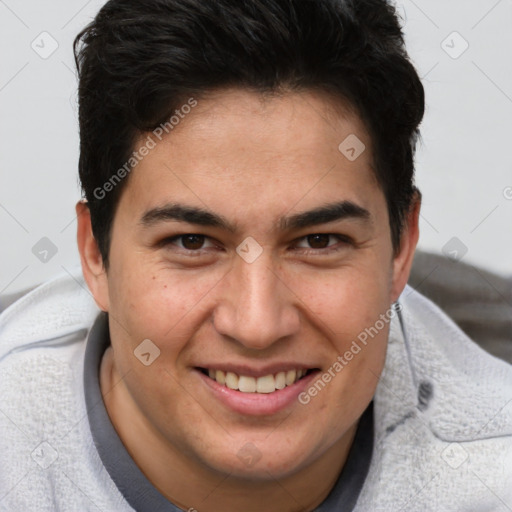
[251, 371]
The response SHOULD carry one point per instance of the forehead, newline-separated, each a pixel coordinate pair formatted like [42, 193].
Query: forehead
[291, 125]
[239, 148]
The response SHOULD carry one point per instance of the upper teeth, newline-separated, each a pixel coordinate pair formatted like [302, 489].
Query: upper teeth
[266, 384]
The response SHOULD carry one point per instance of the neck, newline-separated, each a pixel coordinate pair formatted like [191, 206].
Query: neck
[192, 485]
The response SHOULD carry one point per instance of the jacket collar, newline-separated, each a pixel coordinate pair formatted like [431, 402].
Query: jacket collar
[436, 374]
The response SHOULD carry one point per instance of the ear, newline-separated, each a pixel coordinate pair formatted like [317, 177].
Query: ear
[402, 261]
[93, 268]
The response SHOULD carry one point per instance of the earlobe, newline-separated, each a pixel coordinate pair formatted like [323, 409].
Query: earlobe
[93, 268]
[402, 262]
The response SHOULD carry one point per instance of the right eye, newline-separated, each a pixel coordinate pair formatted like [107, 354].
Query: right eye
[191, 242]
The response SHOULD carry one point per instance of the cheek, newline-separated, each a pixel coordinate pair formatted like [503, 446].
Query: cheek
[161, 304]
[345, 301]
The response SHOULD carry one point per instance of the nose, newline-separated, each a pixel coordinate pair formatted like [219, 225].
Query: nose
[257, 308]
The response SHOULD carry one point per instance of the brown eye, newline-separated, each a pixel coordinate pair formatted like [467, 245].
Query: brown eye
[192, 242]
[320, 241]
[324, 243]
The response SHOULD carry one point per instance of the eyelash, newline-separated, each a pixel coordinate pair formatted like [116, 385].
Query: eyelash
[343, 239]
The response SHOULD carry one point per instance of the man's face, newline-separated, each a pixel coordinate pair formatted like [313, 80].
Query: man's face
[261, 288]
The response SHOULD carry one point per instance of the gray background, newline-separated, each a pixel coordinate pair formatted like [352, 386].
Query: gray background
[464, 164]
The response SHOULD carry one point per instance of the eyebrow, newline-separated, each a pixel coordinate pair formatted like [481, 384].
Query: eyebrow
[331, 212]
[324, 214]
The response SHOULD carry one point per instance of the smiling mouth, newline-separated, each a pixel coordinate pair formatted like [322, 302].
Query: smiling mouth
[266, 384]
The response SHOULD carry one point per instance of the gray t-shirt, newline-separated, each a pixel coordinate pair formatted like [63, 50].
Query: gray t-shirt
[140, 493]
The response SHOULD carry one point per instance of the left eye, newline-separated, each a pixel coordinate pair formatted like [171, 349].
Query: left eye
[319, 241]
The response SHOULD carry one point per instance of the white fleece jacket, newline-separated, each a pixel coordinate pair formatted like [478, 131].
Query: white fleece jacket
[442, 410]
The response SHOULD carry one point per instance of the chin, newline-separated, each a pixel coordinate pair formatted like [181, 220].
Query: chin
[257, 462]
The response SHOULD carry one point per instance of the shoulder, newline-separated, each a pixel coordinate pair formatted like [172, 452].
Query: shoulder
[471, 389]
[45, 441]
[59, 308]
[42, 341]
[443, 419]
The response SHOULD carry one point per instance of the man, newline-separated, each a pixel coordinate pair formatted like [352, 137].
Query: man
[247, 233]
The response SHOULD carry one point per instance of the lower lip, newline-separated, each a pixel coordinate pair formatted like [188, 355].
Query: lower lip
[257, 403]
